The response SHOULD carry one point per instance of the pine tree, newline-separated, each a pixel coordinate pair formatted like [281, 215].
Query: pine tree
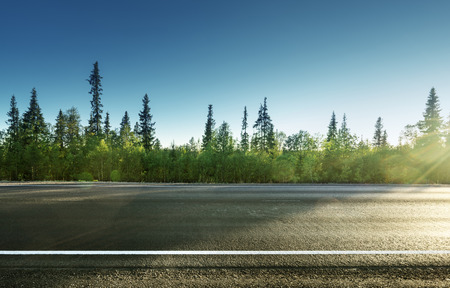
[73, 126]
[13, 122]
[257, 137]
[264, 139]
[136, 129]
[244, 134]
[95, 121]
[147, 129]
[432, 122]
[125, 124]
[384, 139]
[60, 130]
[378, 136]
[332, 128]
[224, 139]
[125, 128]
[12, 158]
[33, 121]
[344, 134]
[35, 132]
[107, 128]
[209, 129]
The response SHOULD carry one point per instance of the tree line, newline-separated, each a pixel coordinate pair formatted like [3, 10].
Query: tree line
[32, 149]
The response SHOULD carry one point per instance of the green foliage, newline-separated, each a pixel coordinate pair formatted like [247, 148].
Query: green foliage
[115, 176]
[85, 176]
[28, 151]
[284, 168]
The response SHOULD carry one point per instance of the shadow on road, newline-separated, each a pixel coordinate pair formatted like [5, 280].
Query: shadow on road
[181, 217]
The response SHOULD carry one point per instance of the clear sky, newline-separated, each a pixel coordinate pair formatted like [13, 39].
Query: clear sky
[367, 59]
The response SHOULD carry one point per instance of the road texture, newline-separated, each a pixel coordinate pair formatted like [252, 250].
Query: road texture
[166, 217]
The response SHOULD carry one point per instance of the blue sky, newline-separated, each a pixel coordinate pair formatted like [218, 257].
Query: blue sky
[367, 59]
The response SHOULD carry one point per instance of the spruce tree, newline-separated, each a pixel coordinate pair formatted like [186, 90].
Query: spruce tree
[73, 126]
[125, 124]
[209, 129]
[146, 126]
[60, 130]
[12, 158]
[33, 121]
[268, 130]
[257, 137]
[136, 129]
[378, 135]
[384, 139]
[125, 128]
[224, 139]
[264, 140]
[432, 122]
[244, 134]
[95, 121]
[344, 134]
[13, 122]
[332, 128]
[35, 132]
[107, 127]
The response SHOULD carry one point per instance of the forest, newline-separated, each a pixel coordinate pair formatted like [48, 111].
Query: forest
[32, 149]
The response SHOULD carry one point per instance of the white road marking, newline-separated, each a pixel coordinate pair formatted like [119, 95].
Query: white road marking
[180, 252]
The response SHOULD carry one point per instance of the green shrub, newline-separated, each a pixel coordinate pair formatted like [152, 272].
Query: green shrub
[115, 176]
[85, 176]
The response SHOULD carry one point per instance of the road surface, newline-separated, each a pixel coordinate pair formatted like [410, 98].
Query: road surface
[395, 234]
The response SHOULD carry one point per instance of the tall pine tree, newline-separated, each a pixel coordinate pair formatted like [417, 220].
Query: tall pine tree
[432, 120]
[60, 130]
[33, 121]
[107, 127]
[344, 137]
[209, 129]
[224, 139]
[332, 128]
[13, 122]
[264, 138]
[125, 128]
[95, 121]
[384, 142]
[244, 134]
[73, 126]
[12, 158]
[35, 135]
[146, 126]
[378, 135]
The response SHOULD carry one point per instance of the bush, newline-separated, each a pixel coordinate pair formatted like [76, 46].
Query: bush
[85, 176]
[115, 176]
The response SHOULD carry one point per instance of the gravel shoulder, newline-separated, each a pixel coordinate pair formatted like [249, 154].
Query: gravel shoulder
[310, 277]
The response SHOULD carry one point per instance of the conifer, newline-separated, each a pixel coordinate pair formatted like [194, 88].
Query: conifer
[95, 121]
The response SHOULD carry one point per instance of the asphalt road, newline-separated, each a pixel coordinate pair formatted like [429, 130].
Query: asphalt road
[104, 216]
